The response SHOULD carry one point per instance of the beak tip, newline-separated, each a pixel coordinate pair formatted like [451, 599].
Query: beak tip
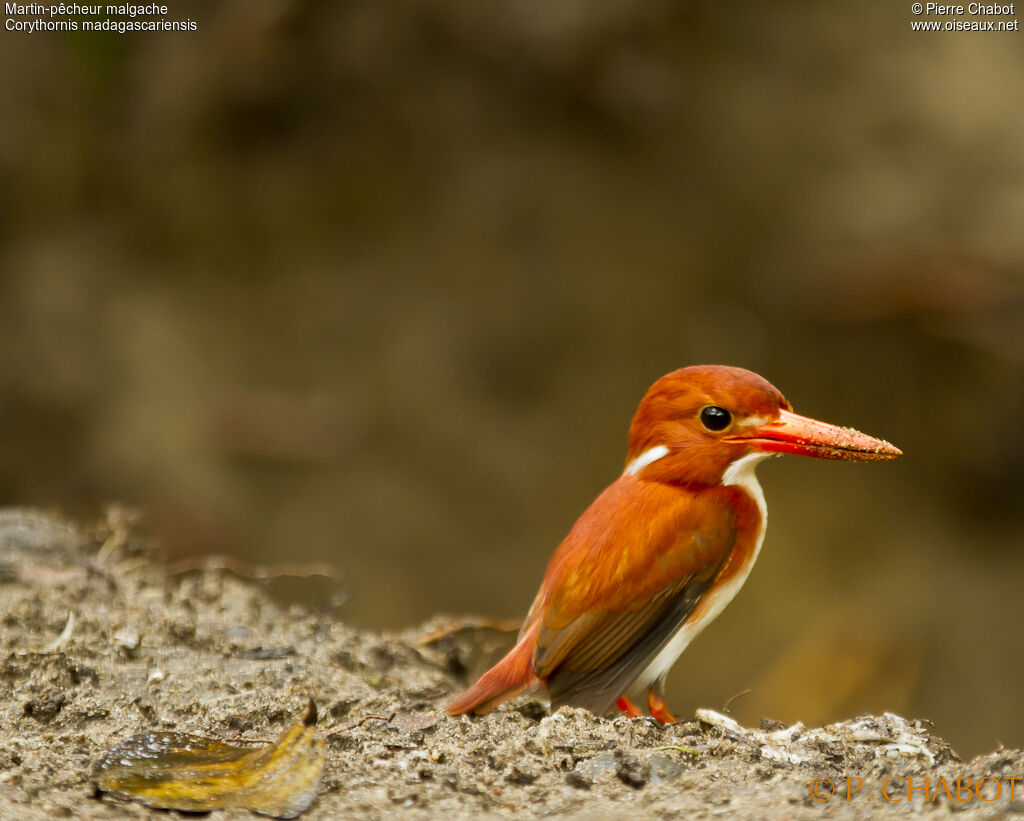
[887, 450]
[801, 435]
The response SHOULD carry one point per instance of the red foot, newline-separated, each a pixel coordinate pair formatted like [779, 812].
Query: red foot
[628, 707]
[658, 709]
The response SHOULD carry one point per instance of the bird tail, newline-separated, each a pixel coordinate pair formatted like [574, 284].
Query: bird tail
[511, 675]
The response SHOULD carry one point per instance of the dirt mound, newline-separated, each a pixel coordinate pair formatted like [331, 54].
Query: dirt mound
[102, 641]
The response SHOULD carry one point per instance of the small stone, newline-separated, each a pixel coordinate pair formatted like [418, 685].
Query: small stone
[45, 706]
[127, 639]
[237, 635]
[593, 769]
[523, 774]
[663, 769]
[631, 770]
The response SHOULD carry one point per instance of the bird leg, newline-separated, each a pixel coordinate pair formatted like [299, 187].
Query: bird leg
[656, 704]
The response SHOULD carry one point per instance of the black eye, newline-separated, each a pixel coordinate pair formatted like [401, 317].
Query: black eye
[715, 418]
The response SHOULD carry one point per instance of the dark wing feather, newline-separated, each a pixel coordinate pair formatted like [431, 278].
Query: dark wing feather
[617, 648]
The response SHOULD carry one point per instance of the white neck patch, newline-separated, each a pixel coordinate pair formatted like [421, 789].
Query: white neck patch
[644, 459]
[741, 474]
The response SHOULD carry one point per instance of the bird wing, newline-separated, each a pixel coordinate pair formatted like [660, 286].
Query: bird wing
[605, 664]
[625, 580]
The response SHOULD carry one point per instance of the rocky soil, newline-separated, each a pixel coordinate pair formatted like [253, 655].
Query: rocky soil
[102, 640]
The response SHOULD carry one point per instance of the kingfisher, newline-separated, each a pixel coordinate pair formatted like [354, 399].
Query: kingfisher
[662, 550]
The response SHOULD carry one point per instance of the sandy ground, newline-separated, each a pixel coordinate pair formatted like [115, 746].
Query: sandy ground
[207, 651]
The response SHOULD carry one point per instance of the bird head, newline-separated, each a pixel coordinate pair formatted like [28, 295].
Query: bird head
[694, 423]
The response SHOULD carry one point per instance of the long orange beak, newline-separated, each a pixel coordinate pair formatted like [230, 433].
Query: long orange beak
[792, 433]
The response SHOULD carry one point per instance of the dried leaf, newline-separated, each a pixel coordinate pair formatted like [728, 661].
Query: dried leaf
[179, 771]
[445, 627]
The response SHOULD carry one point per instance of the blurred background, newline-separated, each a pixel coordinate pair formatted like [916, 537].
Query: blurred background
[380, 285]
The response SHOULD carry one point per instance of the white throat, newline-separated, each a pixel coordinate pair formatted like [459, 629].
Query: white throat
[741, 474]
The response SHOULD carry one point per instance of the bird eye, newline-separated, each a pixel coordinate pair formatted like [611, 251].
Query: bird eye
[715, 418]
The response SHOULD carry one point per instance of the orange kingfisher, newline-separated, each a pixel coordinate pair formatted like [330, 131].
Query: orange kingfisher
[664, 548]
